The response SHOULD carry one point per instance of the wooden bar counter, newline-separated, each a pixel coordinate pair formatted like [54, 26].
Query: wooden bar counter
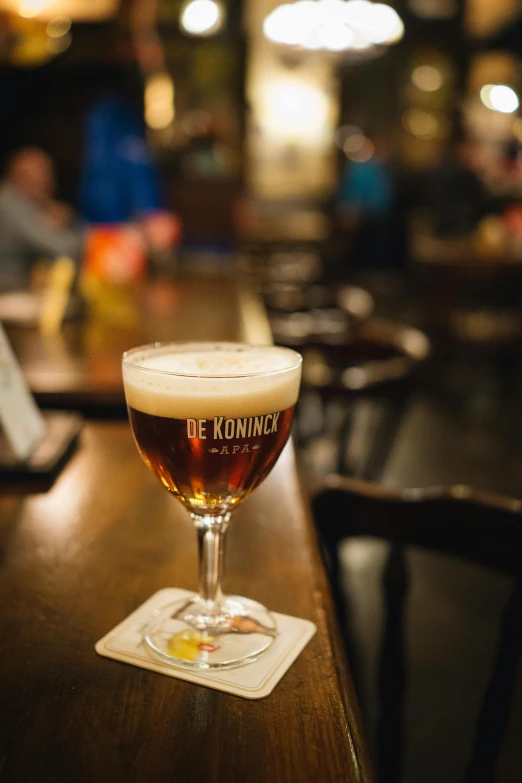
[81, 367]
[80, 557]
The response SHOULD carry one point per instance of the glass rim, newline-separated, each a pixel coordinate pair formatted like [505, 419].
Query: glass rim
[127, 359]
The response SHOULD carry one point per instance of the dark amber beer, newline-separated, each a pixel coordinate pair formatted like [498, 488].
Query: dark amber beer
[211, 464]
[211, 423]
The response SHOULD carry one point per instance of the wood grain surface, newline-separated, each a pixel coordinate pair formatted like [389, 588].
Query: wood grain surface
[80, 368]
[76, 560]
[80, 558]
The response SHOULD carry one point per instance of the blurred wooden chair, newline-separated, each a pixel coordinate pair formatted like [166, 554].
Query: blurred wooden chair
[474, 526]
[358, 369]
[366, 382]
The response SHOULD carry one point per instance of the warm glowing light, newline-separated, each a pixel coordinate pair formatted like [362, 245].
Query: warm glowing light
[484, 96]
[293, 110]
[306, 19]
[427, 78]
[279, 27]
[58, 26]
[335, 25]
[375, 22]
[499, 97]
[30, 8]
[308, 12]
[363, 153]
[313, 42]
[159, 101]
[335, 38]
[201, 17]
[290, 24]
[358, 14]
[385, 25]
[49, 10]
[354, 144]
[422, 124]
[360, 44]
[344, 132]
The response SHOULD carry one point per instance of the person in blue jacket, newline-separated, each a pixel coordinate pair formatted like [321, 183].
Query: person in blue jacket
[367, 209]
[119, 178]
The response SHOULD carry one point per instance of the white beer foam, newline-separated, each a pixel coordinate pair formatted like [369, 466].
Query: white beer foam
[199, 382]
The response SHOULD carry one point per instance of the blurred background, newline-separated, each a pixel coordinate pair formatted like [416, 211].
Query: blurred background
[359, 166]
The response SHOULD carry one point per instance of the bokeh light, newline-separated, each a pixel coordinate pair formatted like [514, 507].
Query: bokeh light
[159, 101]
[334, 25]
[499, 97]
[354, 144]
[423, 124]
[294, 110]
[201, 17]
[427, 78]
[383, 26]
[280, 26]
[30, 8]
[307, 14]
[360, 153]
[335, 38]
[58, 27]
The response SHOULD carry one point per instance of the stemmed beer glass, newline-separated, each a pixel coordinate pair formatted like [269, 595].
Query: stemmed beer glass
[210, 420]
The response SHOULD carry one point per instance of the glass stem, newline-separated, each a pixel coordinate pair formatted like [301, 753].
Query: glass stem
[211, 541]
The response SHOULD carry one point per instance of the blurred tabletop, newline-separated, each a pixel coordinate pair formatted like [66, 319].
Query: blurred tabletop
[80, 368]
[79, 558]
[489, 248]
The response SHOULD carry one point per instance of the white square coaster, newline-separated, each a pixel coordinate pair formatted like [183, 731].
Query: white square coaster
[252, 681]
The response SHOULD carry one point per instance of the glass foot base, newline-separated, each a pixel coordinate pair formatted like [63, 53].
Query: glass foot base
[188, 633]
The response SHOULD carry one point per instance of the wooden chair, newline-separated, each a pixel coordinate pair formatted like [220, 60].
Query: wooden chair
[369, 380]
[478, 527]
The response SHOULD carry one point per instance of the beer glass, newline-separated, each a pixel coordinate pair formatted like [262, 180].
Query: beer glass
[210, 420]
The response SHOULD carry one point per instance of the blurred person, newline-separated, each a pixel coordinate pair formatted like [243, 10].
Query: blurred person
[119, 179]
[120, 182]
[33, 226]
[454, 197]
[366, 201]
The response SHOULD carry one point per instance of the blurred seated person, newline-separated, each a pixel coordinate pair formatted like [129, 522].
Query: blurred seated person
[365, 206]
[33, 226]
[454, 197]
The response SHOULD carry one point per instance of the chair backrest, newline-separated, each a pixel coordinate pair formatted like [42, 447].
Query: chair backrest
[473, 525]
